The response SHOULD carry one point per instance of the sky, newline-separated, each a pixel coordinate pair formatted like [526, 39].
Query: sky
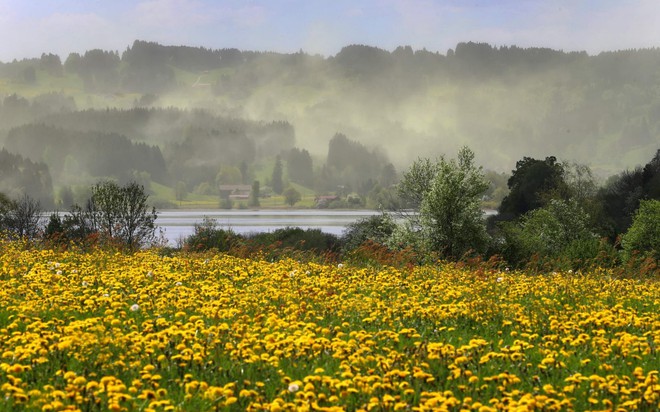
[29, 28]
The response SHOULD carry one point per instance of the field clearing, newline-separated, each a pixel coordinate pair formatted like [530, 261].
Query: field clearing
[110, 331]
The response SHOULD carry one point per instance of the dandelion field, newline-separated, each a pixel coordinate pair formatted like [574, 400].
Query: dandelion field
[103, 331]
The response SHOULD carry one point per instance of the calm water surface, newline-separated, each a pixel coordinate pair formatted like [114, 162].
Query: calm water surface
[177, 224]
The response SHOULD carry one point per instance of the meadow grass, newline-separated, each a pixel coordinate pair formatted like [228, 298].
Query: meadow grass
[103, 330]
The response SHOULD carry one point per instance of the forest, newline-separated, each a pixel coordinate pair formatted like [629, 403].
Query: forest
[184, 121]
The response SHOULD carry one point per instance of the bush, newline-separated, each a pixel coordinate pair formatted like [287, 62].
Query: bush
[377, 229]
[310, 239]
[208, 236]
[643, 236]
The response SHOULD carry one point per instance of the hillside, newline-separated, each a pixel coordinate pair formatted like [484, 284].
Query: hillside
[204, 109]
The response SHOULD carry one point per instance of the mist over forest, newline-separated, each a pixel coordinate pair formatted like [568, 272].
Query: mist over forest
[195, 119]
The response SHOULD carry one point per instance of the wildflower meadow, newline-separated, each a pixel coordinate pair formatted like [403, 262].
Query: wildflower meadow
[100, 330]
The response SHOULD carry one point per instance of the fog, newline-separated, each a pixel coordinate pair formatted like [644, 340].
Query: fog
[168, 114]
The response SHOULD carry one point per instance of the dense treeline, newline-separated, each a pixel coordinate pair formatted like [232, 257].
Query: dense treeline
[193, 119]
[70, 154]
[513, 101]
[20, 176]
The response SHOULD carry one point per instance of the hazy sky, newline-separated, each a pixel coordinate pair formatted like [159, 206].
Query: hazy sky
[30, 27]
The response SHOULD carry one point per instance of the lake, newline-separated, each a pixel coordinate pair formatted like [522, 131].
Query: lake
[177, 224]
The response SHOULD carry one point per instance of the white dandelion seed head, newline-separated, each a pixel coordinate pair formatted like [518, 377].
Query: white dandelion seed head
[294, 387]
[135, 307]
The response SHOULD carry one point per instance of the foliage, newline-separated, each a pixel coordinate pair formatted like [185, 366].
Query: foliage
[21, 176]
[276, 179]
[643, 236]
[295, 238]
[376, 229]
[254, 194]
[558, 229]
[451, 211]
[353, 165]
[445, 198]
[5, 207]
[416, 183]
[207, 236]
[622, 195]
[291, 196]
[531, 185]
[122, 213]
[300, 167]
[23, 217]
[201, 332]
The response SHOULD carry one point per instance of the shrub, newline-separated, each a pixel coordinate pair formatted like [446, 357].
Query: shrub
[376, 228]
[208, 236]
[643, 236]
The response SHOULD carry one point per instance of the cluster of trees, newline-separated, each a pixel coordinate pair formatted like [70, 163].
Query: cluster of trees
[73, 154]
[564, 103]
[553, 214]
[21, 176]
[199, 152]
[114, 214]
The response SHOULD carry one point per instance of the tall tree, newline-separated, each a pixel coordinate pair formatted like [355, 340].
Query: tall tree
[23, 218]
[643, 236]
[532, 185]
[447, 196]
[276, 179]
[122, 213]
[254, 194]
[291, 196]
[300, 167]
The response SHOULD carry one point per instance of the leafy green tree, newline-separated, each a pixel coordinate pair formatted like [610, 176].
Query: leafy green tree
[412, 189]
[291, 196]
[643, 236]
[623, 193]
[531, 185]
[276, 181]
[451, 210]
[548, 230]
[122, 213]
[447, 196]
